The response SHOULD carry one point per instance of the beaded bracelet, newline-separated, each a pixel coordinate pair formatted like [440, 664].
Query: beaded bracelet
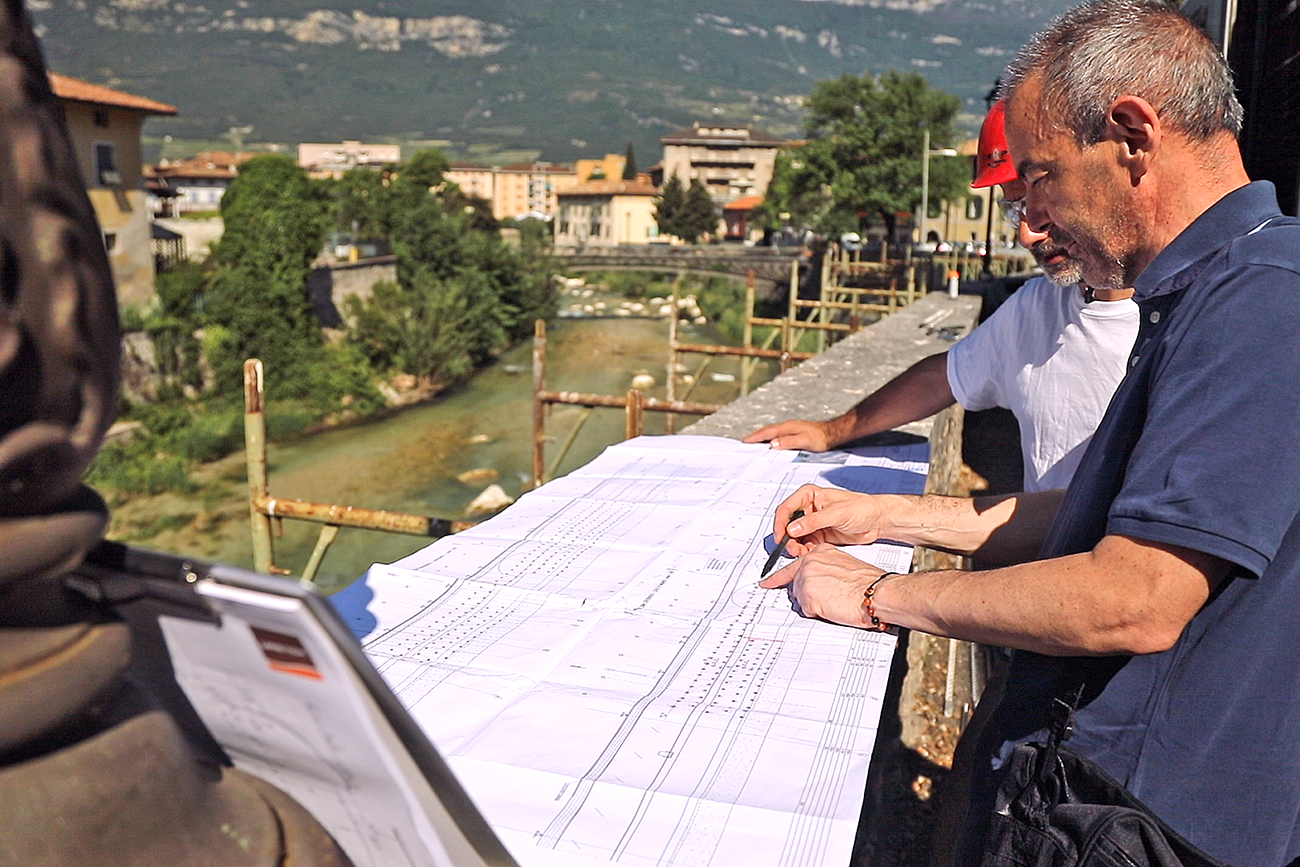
[870, 607]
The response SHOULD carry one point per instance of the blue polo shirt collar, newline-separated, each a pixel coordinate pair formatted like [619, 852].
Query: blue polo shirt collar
[1236, 214]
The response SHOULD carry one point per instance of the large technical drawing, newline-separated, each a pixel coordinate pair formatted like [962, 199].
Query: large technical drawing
[605, 677]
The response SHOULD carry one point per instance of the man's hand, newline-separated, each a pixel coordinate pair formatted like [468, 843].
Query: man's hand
[830, 515]
[827, 583]
[813, 436]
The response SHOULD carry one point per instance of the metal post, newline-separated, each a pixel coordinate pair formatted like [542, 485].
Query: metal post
[746, 365]
[925, 184]
[539, 409]
[634, 413]
[988, 237]
[670, 385]
[328, 533]
[824, 314]
[255, 456]
[791, 307]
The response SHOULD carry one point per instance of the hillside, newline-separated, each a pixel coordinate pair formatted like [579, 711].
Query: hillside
[555, 77]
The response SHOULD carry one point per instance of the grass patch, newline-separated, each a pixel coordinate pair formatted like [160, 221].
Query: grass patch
[156, 526]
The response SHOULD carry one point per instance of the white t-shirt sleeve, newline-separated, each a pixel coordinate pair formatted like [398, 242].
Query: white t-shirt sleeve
[977, 362]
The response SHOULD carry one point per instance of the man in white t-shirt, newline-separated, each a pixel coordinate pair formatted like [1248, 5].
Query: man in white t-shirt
[1053, 354]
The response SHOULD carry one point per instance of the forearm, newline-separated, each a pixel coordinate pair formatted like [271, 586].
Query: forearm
[1123, 597]
[998, 530]
[917, 393]
[1126, 596]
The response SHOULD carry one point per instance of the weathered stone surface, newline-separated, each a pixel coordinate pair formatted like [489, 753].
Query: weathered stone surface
[827, 385]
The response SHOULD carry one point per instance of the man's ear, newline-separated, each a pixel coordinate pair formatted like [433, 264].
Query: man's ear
[1135, 126]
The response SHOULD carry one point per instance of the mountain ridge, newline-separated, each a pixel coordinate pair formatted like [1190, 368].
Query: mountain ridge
[548, 77]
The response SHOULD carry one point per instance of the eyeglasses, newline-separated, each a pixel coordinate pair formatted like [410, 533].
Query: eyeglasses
[1013, 210]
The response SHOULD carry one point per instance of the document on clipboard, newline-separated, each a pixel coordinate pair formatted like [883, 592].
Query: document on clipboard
[287, 692]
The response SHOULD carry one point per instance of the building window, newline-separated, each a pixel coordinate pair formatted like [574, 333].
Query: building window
[110, 241]
[106, 165]
[101, 118]
[974, 207]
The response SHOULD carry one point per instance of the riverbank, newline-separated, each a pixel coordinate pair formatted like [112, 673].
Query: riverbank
[416, 459]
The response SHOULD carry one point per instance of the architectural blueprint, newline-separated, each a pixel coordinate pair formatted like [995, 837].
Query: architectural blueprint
[602, 672]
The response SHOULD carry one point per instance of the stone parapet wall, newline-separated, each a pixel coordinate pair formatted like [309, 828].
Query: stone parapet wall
[827, 385]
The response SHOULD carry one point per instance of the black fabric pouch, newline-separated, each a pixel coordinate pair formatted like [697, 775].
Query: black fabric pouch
[1055, 808]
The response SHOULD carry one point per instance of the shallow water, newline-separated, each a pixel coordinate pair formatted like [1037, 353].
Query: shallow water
[409, 461]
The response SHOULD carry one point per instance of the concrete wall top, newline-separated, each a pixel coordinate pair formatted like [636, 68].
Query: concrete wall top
[833, 381]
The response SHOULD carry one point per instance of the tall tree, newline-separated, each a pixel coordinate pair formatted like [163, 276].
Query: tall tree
[699, 214]
[629, 164]
[461, 296]
[275, 221]
[363, 205]
[863, 154]
[668, 210]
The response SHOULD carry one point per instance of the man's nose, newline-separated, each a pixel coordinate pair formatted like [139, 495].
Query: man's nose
[1028, 236]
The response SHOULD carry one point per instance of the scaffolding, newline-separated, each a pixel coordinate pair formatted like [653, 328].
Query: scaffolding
[267, 513]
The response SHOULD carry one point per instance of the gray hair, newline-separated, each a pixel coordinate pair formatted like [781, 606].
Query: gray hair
[1104, 49]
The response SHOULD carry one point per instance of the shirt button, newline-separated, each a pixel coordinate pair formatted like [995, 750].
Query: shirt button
[1154, 317]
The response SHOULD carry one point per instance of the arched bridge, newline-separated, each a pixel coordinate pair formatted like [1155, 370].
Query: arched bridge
[770, 265]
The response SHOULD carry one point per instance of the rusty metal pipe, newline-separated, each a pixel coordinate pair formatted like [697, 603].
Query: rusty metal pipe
[655, 404]
[353, 516]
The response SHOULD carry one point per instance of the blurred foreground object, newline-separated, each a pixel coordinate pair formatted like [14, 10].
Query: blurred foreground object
[93, 768]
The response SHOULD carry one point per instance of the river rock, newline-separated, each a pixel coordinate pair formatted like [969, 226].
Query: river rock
[493, 499]
[482, 474]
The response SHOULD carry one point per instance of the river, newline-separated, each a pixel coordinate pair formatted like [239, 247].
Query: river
[409, 460]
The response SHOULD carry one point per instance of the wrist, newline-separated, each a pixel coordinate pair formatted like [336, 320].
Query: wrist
[871, 618]
[839, 430]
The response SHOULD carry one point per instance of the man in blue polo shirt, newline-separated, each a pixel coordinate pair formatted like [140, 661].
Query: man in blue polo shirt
[1165, 580]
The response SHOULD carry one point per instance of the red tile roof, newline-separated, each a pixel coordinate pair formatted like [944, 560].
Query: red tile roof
[744, 203]
[76, 90]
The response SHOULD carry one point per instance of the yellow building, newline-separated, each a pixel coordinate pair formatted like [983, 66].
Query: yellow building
[529, 189]
[519, 190]
[609, 167]
[105, 126]
[965, 220]
[473, 179]
[606, 214]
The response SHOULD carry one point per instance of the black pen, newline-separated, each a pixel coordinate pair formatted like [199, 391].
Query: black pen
[780, 546]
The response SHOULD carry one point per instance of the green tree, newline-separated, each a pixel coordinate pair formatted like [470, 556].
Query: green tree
[364, 205]
[425, 168]
[862, 158]
[462, 294]
[670, 206]
[699, 215]
[629, 164]
[275, 221]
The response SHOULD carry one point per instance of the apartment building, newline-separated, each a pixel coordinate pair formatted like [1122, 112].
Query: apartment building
[530, 189]
[731, 161]
[105, 126]
[518, 190]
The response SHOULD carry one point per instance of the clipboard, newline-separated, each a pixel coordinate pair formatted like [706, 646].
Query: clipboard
[268, 670]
